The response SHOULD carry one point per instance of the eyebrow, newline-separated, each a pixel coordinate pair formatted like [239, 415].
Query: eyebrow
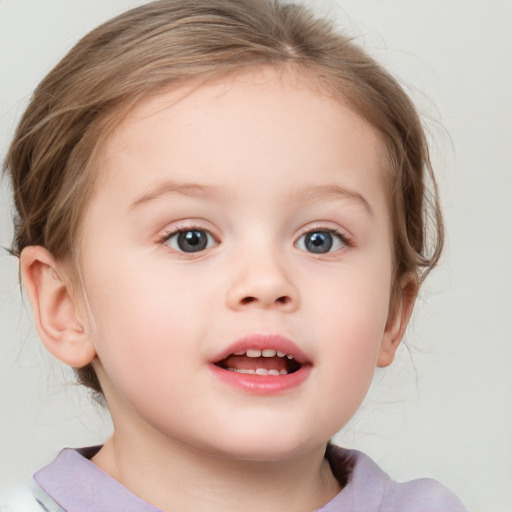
[318, 193]
[315, 193]
[171, 187]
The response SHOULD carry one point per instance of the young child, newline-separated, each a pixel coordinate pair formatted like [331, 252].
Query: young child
[221, 223]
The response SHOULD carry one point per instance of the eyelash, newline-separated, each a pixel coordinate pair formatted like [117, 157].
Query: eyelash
[345, 240]
[167, 235]
[342, 237]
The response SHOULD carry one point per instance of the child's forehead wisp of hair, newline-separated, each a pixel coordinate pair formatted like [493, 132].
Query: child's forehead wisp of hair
[164, 45]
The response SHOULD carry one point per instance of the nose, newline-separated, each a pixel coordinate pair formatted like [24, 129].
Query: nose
[262, 282]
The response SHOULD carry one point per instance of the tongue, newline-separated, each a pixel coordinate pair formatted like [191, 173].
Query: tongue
[253, 363]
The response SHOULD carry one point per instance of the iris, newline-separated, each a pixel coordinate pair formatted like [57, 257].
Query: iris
[318, 241]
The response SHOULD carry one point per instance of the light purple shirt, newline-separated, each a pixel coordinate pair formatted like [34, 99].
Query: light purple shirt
[72, 483]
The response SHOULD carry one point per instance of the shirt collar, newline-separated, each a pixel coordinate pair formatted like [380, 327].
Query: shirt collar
[77, 485]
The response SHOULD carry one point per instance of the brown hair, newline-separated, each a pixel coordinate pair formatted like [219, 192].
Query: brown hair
[171, 42]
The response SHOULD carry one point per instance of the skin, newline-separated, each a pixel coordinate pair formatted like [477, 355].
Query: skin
[274, 159]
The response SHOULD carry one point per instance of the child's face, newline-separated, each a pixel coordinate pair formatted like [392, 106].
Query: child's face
[285, 234]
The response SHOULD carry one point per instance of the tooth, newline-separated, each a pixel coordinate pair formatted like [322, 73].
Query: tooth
[261, 371]
[253, 353]
[280, 354]
[273, 372]
[241, 353]
[289, 356]
[268, 352]
[283, 372]
[252, 372]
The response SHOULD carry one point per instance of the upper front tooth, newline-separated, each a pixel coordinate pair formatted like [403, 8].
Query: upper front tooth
[280, 354]
[253, 353]
[289, 356]
[241, 353]
[268, 352]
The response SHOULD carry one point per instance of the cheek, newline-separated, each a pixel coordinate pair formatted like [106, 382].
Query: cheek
[137, 323]
[352, 318]
[355, 299]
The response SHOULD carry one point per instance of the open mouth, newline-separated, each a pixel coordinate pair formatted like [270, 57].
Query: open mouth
[263, 362]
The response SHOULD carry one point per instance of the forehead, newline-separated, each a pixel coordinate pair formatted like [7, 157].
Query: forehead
[238, 129]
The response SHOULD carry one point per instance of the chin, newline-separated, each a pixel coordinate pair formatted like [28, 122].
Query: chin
[262, 446]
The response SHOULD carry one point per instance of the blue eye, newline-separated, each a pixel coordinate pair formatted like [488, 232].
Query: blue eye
[321, 241]
[190, 240]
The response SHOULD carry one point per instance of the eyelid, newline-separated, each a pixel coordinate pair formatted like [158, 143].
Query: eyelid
[199, 225]
[343, 238]
[328, 227]
[181, 226]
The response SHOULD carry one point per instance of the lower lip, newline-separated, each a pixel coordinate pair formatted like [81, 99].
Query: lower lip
[262, 384]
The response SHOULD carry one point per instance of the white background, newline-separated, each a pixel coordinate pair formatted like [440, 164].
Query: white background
[444, 409]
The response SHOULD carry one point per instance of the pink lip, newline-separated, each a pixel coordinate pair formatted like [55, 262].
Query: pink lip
[262, 341]
[258, 384]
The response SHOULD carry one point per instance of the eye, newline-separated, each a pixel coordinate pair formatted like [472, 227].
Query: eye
[190, 240]
[321, 241]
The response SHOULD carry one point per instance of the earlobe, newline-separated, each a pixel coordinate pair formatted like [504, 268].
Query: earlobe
[398, 319]
[58, 326]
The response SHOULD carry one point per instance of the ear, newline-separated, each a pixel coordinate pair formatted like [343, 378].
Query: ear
[58, 326]
[399, 313]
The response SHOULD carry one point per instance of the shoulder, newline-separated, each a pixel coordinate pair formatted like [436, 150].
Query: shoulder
[370, 489]
[78, 485]
[422, 495]
[30, 498]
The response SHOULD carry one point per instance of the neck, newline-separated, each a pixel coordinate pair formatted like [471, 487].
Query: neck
[172, 476]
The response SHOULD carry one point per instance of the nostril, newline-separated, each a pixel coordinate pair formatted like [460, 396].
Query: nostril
[283, 300]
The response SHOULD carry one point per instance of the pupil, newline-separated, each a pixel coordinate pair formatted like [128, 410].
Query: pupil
[319, 241]
[192, 241]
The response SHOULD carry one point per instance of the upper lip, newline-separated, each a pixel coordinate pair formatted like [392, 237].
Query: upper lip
[262, 341]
